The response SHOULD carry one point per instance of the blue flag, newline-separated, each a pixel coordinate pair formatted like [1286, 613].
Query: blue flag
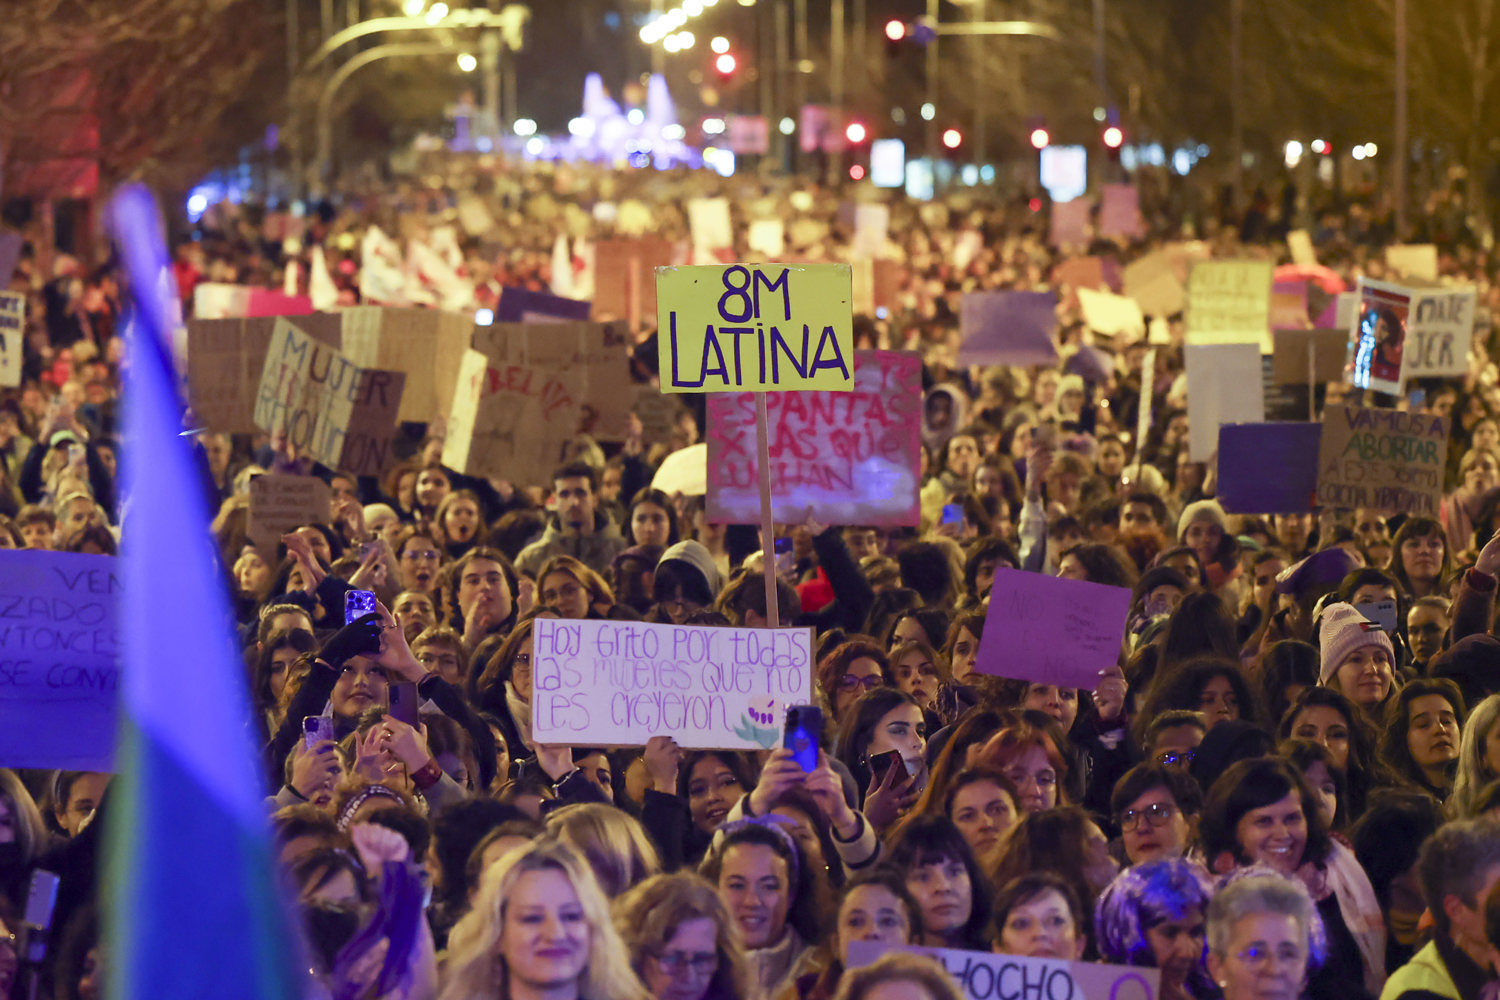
[193, 901]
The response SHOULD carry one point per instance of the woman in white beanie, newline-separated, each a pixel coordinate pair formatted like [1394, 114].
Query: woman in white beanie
[1204, 528]
[1358, 659]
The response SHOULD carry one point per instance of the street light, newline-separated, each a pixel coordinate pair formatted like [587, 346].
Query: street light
[720, 44]
[437, 12]
[953, 138]
[895, 30]
[1039, 138]
[413, 8]
[467, 62]
[725, 64]
[855, 133]
[524, 127]
[1114, 138]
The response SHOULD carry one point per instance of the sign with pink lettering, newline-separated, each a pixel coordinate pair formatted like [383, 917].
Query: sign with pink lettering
[1051, 629]
[851, 457]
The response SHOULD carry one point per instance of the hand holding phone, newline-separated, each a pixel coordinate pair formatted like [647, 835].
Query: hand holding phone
[358, 603]
[804, 730]
[316, 729]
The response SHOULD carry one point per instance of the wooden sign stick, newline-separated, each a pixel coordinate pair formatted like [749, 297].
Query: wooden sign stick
[767, 529]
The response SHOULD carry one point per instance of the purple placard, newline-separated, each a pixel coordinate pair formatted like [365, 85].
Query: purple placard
[1246, 451]
[1008, 328]
[522, 305]
[1052, 630]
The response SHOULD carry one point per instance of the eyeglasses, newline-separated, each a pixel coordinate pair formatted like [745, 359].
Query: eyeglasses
[414, 555]
[700, 962]
[1157, 814]
[1258, 955]
[1042, 779]
[849, 682]
[1176, 758]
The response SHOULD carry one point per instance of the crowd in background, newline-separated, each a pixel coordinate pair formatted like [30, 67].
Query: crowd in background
[1268, 794]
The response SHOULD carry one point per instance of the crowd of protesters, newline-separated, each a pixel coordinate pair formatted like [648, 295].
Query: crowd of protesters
[1267, 795]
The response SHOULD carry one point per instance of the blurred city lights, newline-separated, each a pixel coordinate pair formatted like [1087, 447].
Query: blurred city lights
[635, 116]
[725, 64]
[857, 172]
[1114, 137]
[413, 8]
[484, 317]
[583, 128]
[713, 126]
[928, 112]
[524, 127]
[1319, 146]
[437, 12]
[855, 133]
[895, 30]
[787, 126]
[1040, 138]
[1358, 152]
[671, 44]
[1293, 153]
[1371, 149]
[535, 145]
[673, 132]
[720, 44]
[467, 62]
[952, 138]
[685, 40]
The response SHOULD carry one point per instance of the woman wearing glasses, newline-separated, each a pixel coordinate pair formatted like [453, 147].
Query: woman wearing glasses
[681, 939]
[849, 671]
[1156, 808]
[1260, 935]
[419, 556]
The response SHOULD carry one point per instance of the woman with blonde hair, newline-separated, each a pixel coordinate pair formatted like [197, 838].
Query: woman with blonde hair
[613, 843]
[1478, 764]
[23, 835]
[540, 925]
[919, 978]
[681, 939]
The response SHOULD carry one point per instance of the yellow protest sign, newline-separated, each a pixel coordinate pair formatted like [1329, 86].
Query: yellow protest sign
[1229, 302]
[756, 327]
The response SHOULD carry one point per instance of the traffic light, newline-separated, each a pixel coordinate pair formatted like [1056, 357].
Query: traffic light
[1114, 137]
[1039, 138]
[895, 30]
[725, 64]
[856, 133]
[953, 138]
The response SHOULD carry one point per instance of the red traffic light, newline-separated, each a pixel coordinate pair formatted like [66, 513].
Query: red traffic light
[856, 173]
[855, 133]
[725, 64]
[895, 30]
[953, 138]
[1114, 138]
[1040, 139]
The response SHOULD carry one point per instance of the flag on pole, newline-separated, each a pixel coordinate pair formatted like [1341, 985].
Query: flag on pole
[193, 905]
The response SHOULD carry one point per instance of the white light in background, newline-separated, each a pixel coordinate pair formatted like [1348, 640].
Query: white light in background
[635, 116]
[1293, 153]
[437, 12]
[484, 317]
[713, 126]
[581, 127]
[535, 145]
[787, 126]
[524, 127]
[928, 112]
[467, 62]
[720, 44]
[413, 8]
[673, 132]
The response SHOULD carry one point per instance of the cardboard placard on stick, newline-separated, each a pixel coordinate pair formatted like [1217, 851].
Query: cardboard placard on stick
[343, 415]
[1229, 302]
[1224, 387]
[1386, 460]
[756, 327]
[60, 655]
[510, 420]
[625, 278]
[849, 457]
[424, 344]
[1052, 629]
[590, 357]
[1327, 350]
[608, 683]
[279, 503]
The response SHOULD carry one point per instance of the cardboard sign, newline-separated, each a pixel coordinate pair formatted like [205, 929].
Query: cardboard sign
[758, 327]
[657, 413]
[1110, 314]
[12, 337]
[767, 236]
[1301, 246]
[1008, 328]
[1386, 460]
[225, 359]
[342, 415]
[708, 220]
[1052, 630]
[1080, 272]
[983, 975]
[1152, 281]
[510, 420]
[625, 277]
[1224, 387]
[853, 457]
[1289, 362]
[1289, 305]
[589, 357]
[59, 660]
[1229, 302]
[1377, 338]
[279, 503]
[424, 344]
[608, 683]
[1070, 223]
[1413, 260]
[1439, 330]
[1246, 451]
[1120, 211]
[522, 305]
[871, 224]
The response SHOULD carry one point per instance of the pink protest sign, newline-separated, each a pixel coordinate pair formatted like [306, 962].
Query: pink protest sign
[853, 457]
[1120, 211]
[1070, 223]
[1052, 630]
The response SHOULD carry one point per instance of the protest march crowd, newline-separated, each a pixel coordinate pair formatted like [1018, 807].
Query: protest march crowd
[1284, 782]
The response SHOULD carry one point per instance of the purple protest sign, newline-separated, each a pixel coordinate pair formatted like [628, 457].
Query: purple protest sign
[1052, 630]
[522, 305]
[1008, 328]
[1246, 451]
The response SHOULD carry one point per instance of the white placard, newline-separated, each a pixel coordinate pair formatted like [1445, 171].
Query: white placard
[1224, 387]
